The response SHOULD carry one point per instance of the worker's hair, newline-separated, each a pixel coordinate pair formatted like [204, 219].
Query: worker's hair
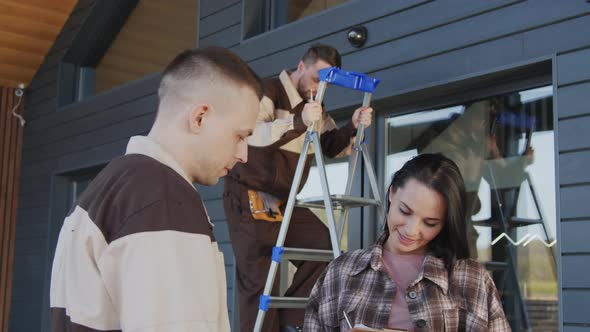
[209, 63]
[322, 52]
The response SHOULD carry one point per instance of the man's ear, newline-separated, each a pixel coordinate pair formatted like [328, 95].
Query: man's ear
[197, 116]
[300, 67]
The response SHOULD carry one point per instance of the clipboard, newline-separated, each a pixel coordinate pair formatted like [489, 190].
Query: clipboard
[368, 329]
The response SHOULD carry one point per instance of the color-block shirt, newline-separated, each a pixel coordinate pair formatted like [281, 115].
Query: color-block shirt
[137, 252]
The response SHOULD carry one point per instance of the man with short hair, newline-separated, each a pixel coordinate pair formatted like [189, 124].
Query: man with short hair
[256, 192]
[137, 251]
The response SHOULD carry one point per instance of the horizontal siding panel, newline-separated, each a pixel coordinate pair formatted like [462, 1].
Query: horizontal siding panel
[221, 20]
[573, 67]
[226, 249]
[121, 130]
[211, 192]
[574, 235]
[574, 133]
[51, 61]
[33, 229]
[42, 94]
[573, 167]
[66, 131]
[225, 38]
[412, 40]
[37, 183]
[458, 34]
[29, 247]
[558, 37]
[33, 200]
[410, 23]
[576, 271]
[98, 103]
[576, 328]
[436, 70]
[40, 110]
[574, 202]
[314, 27]
[221, 232]
[210, 7]
[42, 79]
[573, 100]
[215, 209]
[87, 158]
[32, 215]
[576, 304]
[37, 168]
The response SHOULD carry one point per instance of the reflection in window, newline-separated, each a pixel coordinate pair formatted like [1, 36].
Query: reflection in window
[266, 15]
[154, 33]
[504, 147]
[286, 11]
[337, 173]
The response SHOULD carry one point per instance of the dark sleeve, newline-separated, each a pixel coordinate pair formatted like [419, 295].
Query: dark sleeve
[336, 140]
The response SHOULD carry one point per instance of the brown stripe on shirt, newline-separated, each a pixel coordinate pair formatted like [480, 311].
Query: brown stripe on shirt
[136, 193]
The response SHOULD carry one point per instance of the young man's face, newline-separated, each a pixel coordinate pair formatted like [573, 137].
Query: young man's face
[223, 139]
[310, 78]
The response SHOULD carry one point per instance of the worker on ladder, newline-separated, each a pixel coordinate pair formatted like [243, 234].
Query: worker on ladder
[255, 192]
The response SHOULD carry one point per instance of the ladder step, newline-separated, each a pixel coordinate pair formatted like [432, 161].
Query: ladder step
[338, 202]
[300, 254]
[287, 302]
[514, 222]
[494, 265]
[525, 221]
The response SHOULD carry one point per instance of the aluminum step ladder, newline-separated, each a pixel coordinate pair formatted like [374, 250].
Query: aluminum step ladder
[280, 254]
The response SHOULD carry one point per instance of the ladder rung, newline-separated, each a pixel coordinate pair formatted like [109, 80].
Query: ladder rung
[338, 202]
[525, 221]
[514, 222]
[288, 302]
[300, 254]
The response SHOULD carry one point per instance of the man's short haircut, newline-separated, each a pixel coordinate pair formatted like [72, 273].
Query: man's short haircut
[322, 52]
[207, 63]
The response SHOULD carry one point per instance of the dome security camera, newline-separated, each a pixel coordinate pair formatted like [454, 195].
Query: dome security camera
[20, 90]
[357, 36]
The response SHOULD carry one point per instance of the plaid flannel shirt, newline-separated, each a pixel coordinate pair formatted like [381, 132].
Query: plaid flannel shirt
[358, 284]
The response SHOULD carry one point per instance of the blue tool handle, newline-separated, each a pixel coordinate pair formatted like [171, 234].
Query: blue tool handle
[348, 79]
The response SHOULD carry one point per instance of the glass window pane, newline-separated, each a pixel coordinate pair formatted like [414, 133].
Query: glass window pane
[504, 147]
[154, 33]
[286, 11]
[337, 173]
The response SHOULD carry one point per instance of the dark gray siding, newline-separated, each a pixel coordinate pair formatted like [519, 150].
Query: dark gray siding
[31, 246]
[573, 91]
[220, 23]
[414, 45]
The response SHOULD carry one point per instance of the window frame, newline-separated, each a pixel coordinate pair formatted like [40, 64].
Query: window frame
[524, 76]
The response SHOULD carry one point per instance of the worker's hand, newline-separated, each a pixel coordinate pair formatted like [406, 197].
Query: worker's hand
[529, 155]
[312, 111]
[362, 115]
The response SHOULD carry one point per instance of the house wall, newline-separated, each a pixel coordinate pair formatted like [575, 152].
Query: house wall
[413, 46]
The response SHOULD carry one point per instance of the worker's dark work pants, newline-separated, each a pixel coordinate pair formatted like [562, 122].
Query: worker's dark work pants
[252, 242]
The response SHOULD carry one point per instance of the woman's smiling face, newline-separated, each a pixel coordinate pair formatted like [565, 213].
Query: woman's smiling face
[416, 216]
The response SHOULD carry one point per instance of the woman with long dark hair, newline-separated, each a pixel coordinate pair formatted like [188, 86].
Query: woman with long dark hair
[418, 276]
